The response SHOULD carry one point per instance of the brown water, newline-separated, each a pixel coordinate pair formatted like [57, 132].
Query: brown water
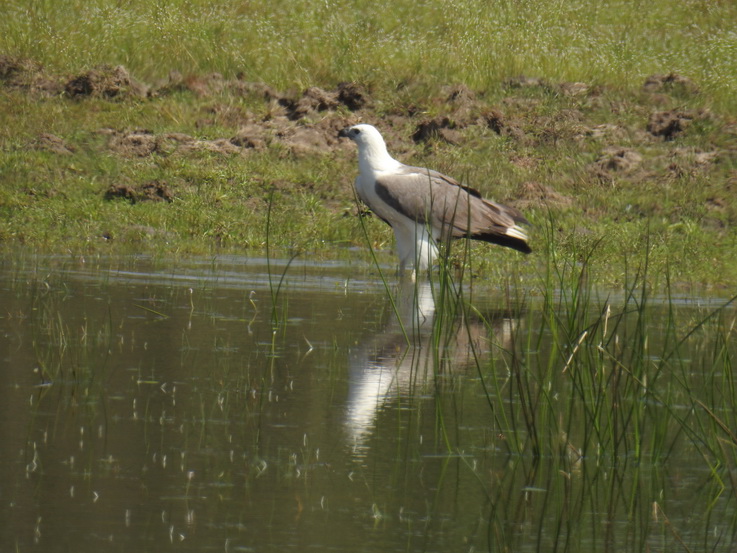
[204, 405]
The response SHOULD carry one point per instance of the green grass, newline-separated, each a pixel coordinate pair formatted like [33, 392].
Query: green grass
[672, 205]
[596, 401]
[302, 43]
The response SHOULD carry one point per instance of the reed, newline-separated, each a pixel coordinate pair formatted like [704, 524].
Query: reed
[596, 398]
[618, 389]
[584, 419]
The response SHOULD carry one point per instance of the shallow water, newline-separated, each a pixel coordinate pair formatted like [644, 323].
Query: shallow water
[209, 404]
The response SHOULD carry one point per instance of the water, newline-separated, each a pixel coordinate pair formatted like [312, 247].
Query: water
[210, 405]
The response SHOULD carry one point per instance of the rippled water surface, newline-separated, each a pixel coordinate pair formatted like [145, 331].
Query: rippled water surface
[227, 404]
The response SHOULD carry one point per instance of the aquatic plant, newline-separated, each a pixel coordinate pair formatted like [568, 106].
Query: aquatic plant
[593, 396]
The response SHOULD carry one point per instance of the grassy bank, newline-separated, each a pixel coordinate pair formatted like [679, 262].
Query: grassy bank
[619, 139]
[299, 43]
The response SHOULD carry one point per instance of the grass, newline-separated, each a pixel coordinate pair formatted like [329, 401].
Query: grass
[303, 43]
[673, 203]
[595, 403]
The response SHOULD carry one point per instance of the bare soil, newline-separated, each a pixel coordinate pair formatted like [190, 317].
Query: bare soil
[155, 190]
[307, 122]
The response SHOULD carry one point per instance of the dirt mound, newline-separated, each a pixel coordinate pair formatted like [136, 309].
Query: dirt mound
[52, 143]
[105, 82]
[616, 159]
[669, 124]
[606, 131]
[502, 126]
[305, 140]
[157, 191]
[123, 191]
[689, 162]
[315, 100]
[138, 143]
[536, 195]
[205, 85]
[318, 137]
[247, 88]
[143, 143]
[353, 96]
[310, 139]
[13, 69]
[222, 146]
[671, 82]
[28, 75]
[251, 137]
[466, 108]
[442, 128]
[533, 113]
[459, 95]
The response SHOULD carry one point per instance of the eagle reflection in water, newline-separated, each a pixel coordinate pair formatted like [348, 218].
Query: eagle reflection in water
[406, 360]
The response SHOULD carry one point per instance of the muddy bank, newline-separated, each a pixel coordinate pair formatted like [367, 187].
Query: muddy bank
[306, 123]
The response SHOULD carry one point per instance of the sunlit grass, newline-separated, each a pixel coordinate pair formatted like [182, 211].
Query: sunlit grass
[673, 209]
[404, 56]
[305, 43]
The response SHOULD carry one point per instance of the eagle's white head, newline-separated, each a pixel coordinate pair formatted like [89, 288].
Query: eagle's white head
[372, 153]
